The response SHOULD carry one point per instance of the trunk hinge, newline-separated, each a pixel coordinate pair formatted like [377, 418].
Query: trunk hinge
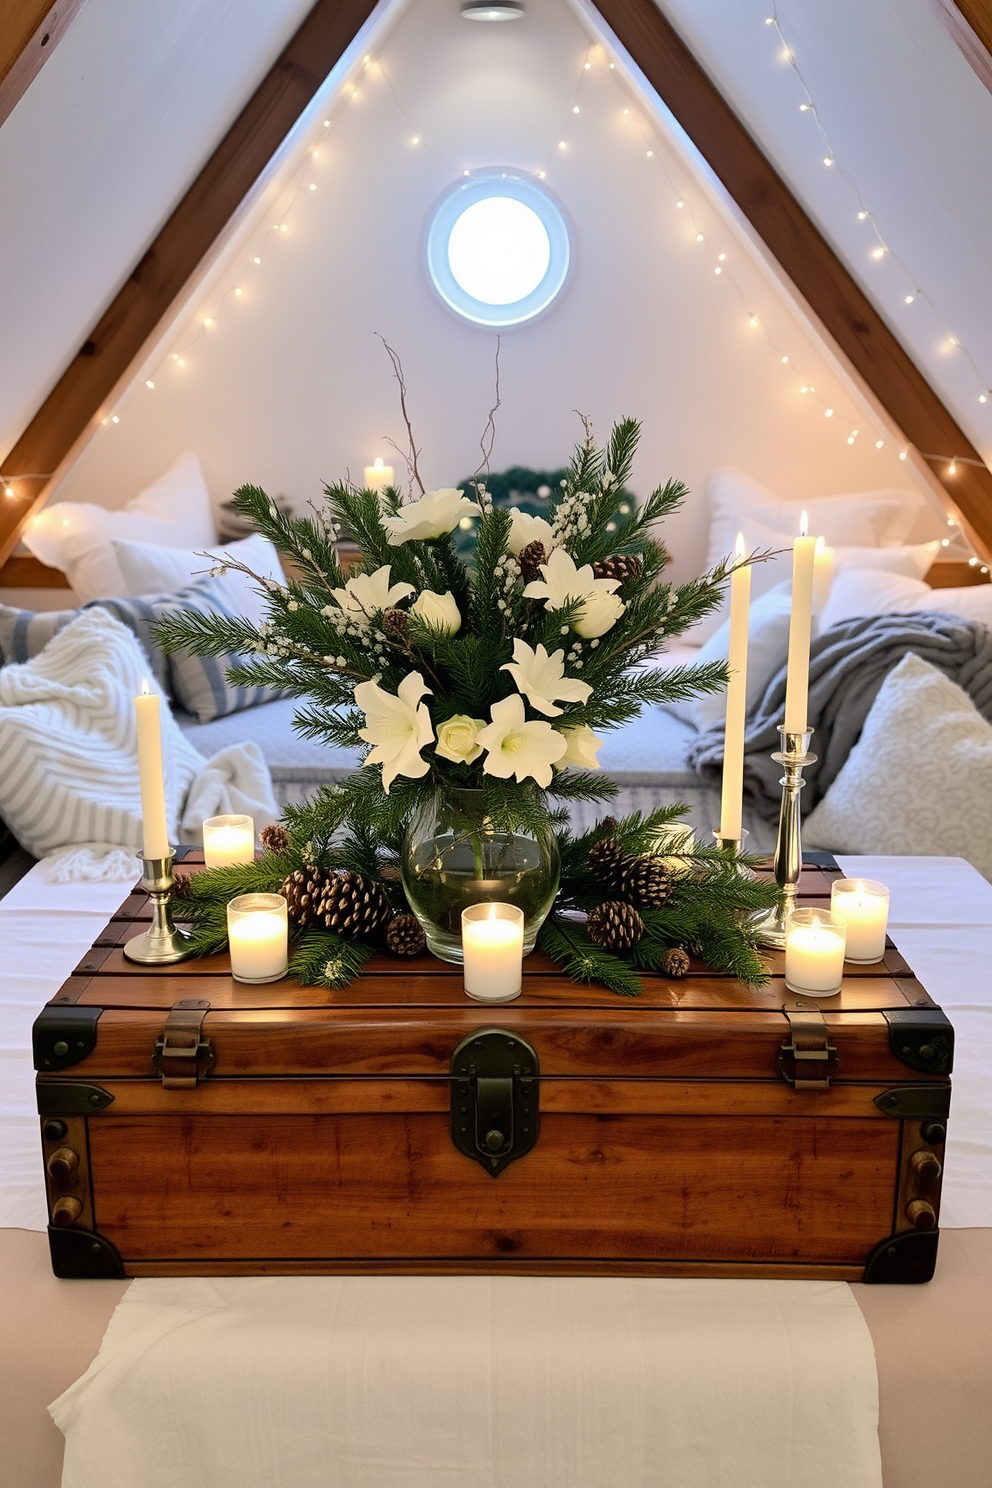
[182, 1057]
[808, 1060]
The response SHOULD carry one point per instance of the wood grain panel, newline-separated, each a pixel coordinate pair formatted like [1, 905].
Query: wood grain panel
[804, 255]
[22, 571]
[160, 277]
[702, 1188]
[969, 24]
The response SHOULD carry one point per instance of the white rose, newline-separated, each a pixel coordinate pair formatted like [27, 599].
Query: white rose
[457, 740]
[438, 610]
[526, 529]
[583, 746]
[600, 612]
[435, 515]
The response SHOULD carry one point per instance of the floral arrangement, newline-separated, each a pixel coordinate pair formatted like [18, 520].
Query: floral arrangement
[501, 678]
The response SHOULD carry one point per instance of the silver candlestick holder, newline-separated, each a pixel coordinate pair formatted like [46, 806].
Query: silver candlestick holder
[163, 942]
[793, 756]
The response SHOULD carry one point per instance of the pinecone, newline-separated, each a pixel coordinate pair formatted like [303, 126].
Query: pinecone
[404, 935]
[181, 886]
[615, 926]
[642, 881]
[530, 559]
[675, 963]
[608, 824]
[622, 566]
[275, 838]
[348, 903]
[397, 620]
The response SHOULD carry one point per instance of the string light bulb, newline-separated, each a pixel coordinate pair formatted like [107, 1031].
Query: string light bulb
[8, 491]
[908, 299]
[149, 384]
[952, 468]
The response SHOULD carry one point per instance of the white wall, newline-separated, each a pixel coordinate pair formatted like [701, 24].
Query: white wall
[911, 124]
[290, 386]
[96, 154]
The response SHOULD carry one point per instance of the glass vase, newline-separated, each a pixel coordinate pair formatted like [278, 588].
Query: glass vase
[453, 857]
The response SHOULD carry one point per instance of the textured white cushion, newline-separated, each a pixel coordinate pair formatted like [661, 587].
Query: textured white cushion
[68, 741]
[871, 591]
[767, 650]
[76, 536]
[868, 519]
[919, 779]
[973, 602]
[149, 569]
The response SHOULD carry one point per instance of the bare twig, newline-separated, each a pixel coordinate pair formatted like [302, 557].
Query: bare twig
[405, 457]
[411, 459]
[489, 432]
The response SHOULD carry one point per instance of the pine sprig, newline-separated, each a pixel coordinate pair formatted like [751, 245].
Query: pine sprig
[323, 959]
[568, 944]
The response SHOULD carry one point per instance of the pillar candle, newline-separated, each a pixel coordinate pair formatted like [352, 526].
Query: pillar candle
[377, 475]
[228, 840]
[154, 823]
[864, 906]
[258, 937]
[731, 805]
[800, 625]
[823, 574]
[492, 948]
[814, 952]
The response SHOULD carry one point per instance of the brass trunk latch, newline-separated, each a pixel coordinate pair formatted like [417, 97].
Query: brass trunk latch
[494, 1092]
[182, 1056]
[807, 1059]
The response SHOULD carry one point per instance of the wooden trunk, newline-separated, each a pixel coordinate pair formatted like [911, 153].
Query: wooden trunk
[703, 1129]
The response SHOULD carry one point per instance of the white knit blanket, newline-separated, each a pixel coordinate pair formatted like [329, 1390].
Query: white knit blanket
[69, 756]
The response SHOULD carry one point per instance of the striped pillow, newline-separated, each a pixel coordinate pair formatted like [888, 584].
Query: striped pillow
[24, 633]
[199, 683]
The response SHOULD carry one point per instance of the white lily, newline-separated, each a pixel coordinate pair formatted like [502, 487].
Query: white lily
[434, 515]
[516, 747]
[399, 727]
[526, 529]
[564, 584]
[583, 747]
[439, 610]
[541, 678]
[367, 593]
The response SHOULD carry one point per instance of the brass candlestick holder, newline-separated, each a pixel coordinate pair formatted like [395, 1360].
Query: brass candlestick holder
[163, 942]
[794, 756]
[732, 847]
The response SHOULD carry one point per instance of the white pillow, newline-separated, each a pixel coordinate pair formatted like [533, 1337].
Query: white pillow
[148, 569]
[914, 561]
[76, 536]
[871, 591]
[767, 650]
[868, 519]
[919, 779]
[974, 602]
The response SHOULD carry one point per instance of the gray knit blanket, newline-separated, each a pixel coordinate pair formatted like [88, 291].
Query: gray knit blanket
[848, 665]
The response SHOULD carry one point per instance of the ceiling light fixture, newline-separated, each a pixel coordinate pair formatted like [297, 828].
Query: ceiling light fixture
[492, 10]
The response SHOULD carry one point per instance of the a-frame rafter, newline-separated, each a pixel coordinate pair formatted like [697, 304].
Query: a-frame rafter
[791, 237]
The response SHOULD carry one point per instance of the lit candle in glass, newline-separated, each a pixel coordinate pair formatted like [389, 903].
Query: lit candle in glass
[732, 799]
[864, 906]
[151, 776]
[258, 937]
[377, 475]
[814, 952]
[228, 840]
[493, 948]
[800, 626]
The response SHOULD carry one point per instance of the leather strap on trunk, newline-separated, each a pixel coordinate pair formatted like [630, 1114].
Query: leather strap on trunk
[182, 1056]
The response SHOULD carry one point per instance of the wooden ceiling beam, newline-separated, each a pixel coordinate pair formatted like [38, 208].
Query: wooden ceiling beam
[30, 30]
[969, 23]
[156, 282]
[805, 257]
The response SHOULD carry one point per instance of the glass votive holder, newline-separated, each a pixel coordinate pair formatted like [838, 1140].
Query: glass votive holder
[228, 840]
[815, 941]
[864, 905]
[493, 950]
[258, 937]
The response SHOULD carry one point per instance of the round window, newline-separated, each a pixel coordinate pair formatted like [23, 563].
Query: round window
[498, 248]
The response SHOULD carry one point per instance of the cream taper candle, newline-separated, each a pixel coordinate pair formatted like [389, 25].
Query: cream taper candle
[732, 798]
[823, 574]
[151, 776]
[800, 627]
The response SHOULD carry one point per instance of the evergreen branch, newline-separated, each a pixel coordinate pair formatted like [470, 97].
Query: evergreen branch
[570, 947]
[323, 959]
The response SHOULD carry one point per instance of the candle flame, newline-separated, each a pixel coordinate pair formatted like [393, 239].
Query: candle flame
[377, 463]
[145, 689]
[492, 910]
[739, 547]
[803, 524]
